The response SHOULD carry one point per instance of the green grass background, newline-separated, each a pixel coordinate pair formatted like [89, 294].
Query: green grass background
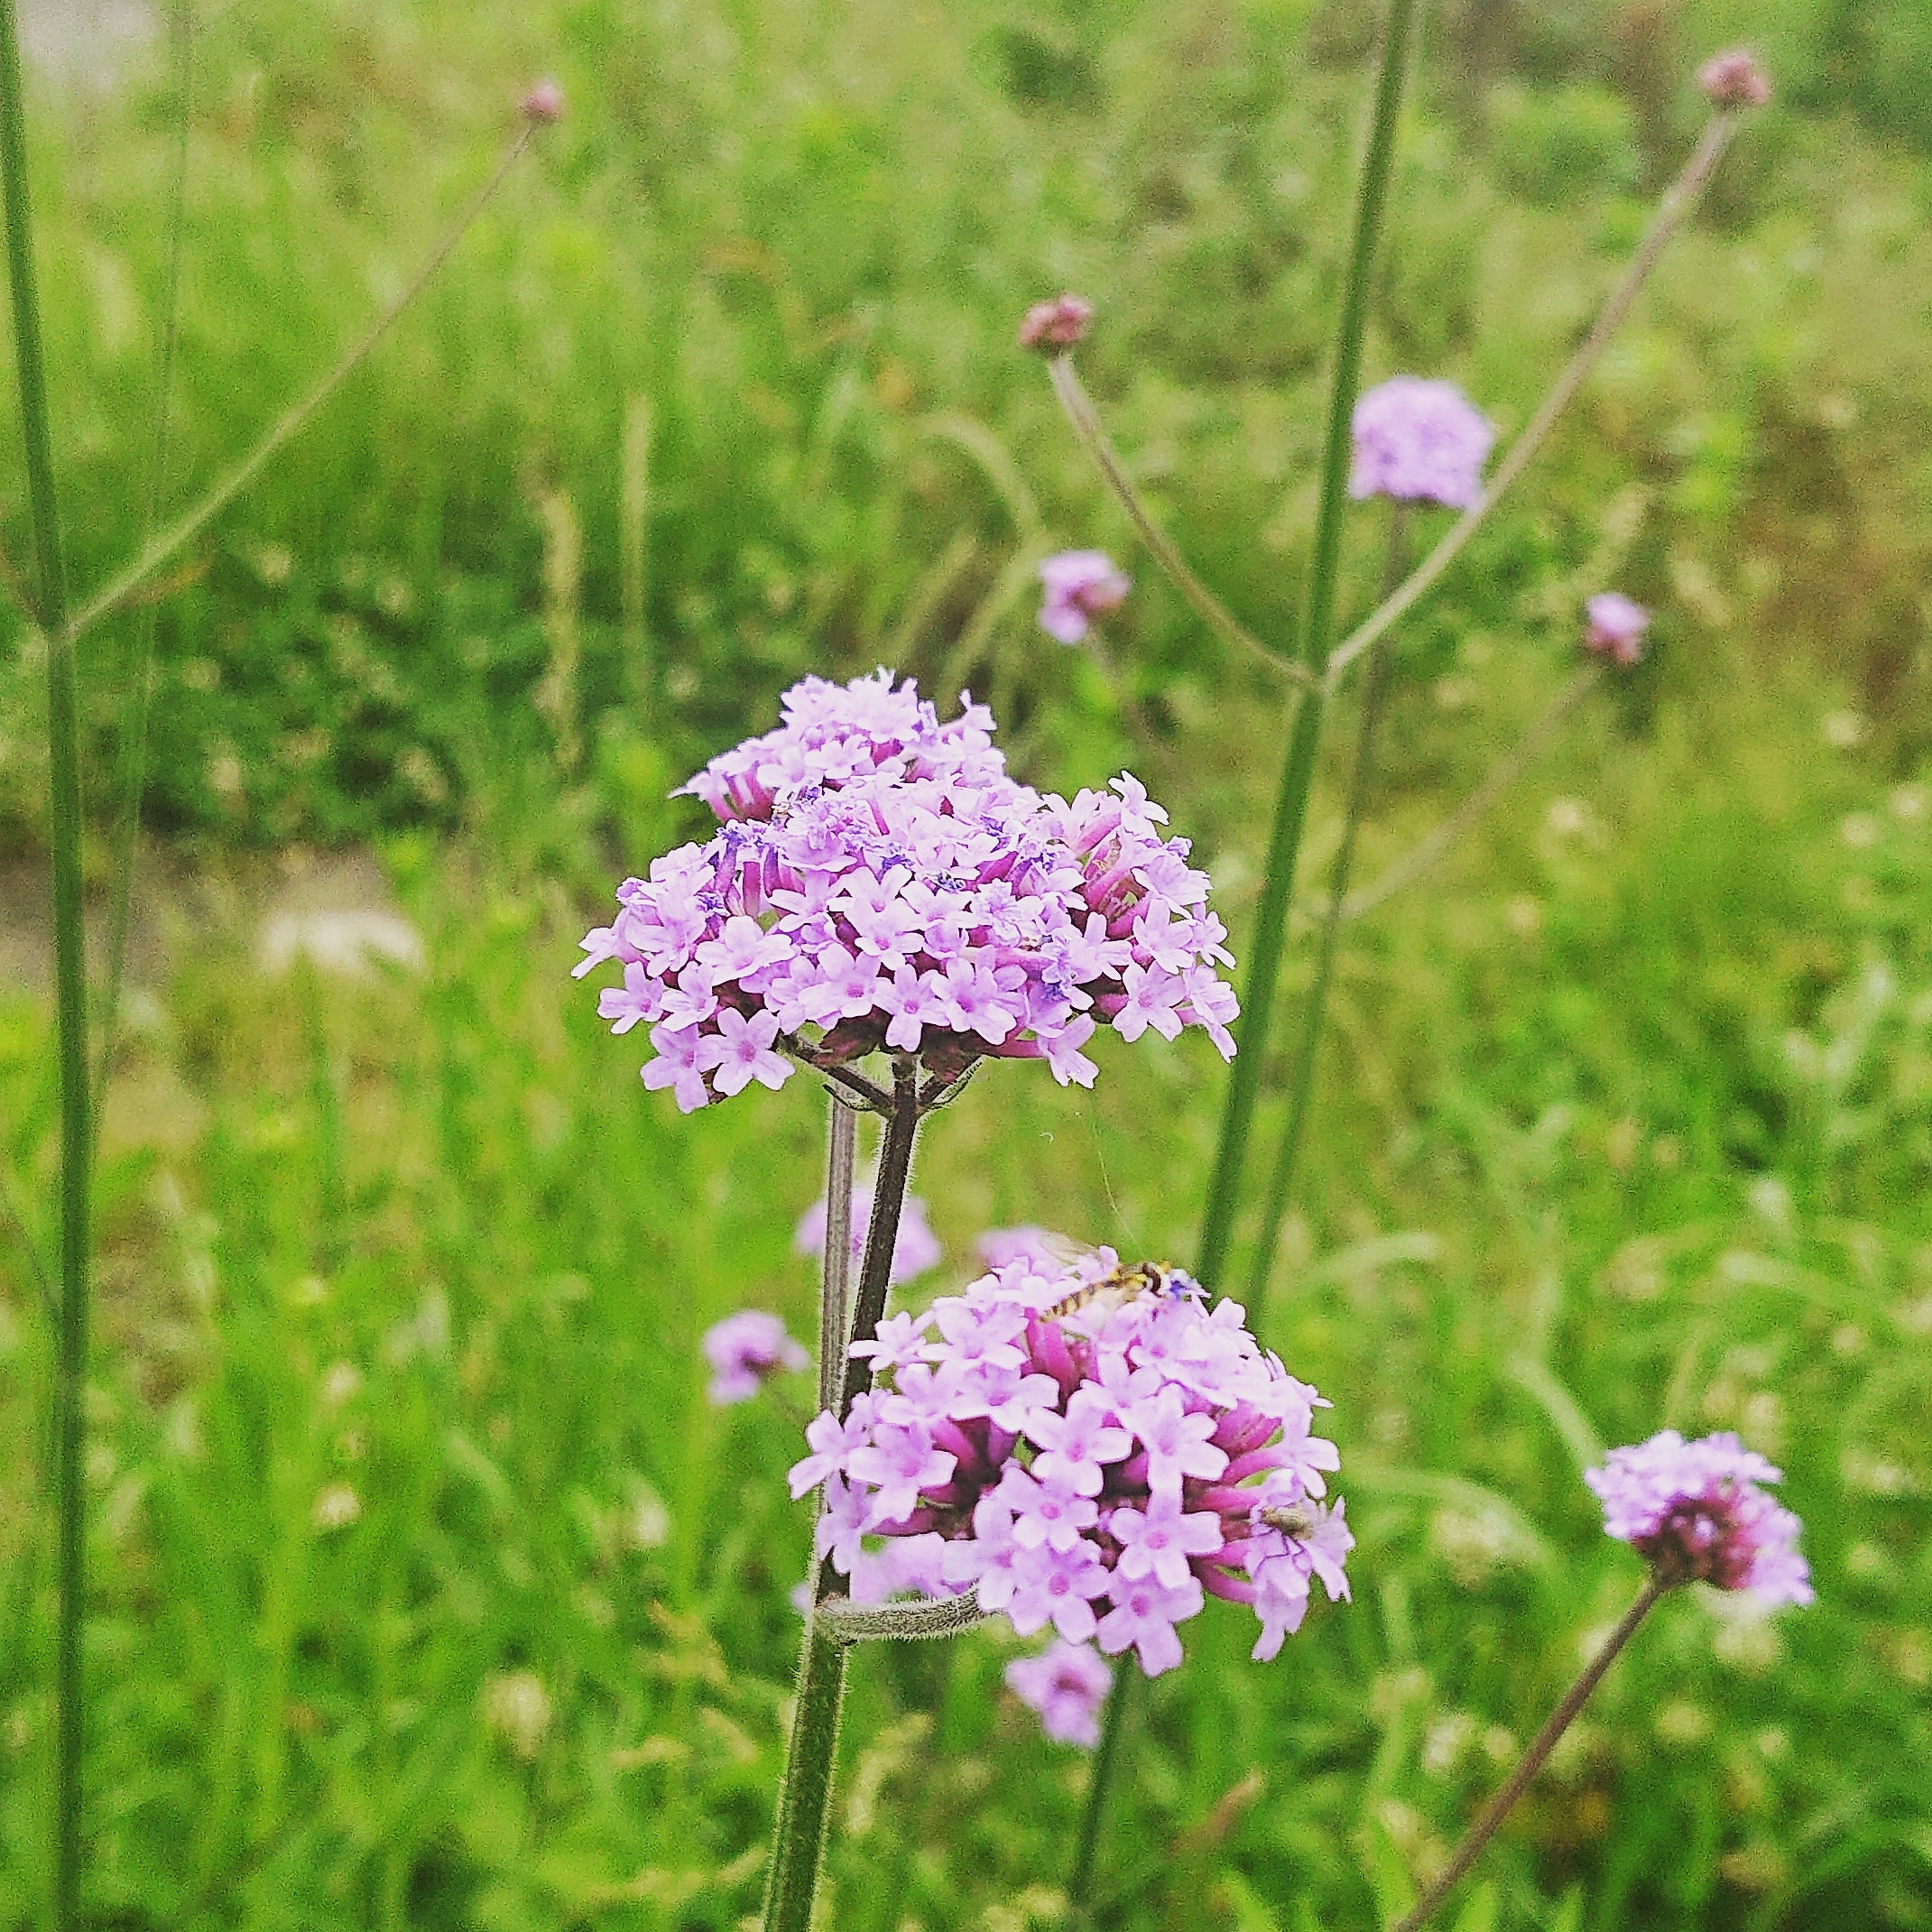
[430, 1592]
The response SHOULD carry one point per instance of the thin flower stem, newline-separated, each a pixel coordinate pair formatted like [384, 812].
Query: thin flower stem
[1085, 421]
[1414, 863]
[1531, 1762]
[881, 1235]
[187, 527]
[1678, 201]
[797, 1846]
[63, 748]
[1298, 774]
[842, 1136]
[1080, 1885]
[140, 683]
[1315, 1008]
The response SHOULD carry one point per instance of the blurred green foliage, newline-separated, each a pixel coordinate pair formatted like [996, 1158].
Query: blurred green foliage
[429, 1591]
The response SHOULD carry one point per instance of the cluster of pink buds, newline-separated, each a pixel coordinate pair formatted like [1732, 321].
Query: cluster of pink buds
[1095, 1449]
[1694, 1511]
[879, 883]
[1735, 80]
[1056, 325]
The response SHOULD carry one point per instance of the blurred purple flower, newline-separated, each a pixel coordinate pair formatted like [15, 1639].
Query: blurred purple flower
[1694, 1511]
[1616, 627]
[1419, 442]
[1055, 325]
[999, 1247]
[916, 1250]
[1080, 586]
[543, 104]
[745, 1350]
[1067, 1686]
[1734, 78]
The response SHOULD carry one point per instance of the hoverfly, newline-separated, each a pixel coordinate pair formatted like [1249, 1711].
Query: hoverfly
[1125, 1282]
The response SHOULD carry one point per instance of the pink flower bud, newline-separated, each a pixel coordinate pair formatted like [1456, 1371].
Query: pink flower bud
[1734, 78]
[1055, 325]
[543, 105]
[1617, 625]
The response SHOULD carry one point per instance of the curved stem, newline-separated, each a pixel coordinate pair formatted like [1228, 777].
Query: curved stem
[1405, 871]
[1298, 773]
[1079, 1886]
[1678, 201]
[63, 749]
[1315, 1008]
[141, 684]
[1531, 1762]
[1085, 421]
[191, 524]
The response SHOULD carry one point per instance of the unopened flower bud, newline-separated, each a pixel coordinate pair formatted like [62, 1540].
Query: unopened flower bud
[1617, 625]
[1049, 326]
[1734, 78]
[543, 105]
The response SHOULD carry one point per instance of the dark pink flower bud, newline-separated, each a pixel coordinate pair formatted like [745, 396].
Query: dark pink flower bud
[543, 104]
[1734, 78]
[1055, 325]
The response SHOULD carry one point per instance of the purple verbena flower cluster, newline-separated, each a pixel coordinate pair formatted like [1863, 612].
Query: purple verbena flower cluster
[1094, 1448]
[915, 1250]
[745, 1350]
[879, 881]
[1419, 442]
[1065, 1684]
[1694, 1512]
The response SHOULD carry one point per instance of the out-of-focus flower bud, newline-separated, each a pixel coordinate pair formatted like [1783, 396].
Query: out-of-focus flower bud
[543, 105]
[1050, 327]
[1734, 78]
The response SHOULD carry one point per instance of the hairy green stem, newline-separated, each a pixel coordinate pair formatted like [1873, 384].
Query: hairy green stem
[140, 683]
[1431, 847]
[1531, 1762]
[1086, 1849]
[1315, 1007]
[805, 1797]
[1678, 201]
[841, 1148]
[63, 749]
[1298, 773]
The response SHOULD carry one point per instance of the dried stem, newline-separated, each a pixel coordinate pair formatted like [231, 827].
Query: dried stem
[187, 527]
[1678, 201]
[1502, 775]
[1085, 421]
[1531, 1762]
[63, 748]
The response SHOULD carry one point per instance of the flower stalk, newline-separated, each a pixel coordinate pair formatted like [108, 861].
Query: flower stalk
[1678, 201]
[69, 1421]
[1315, 1008]
[1531, 1762]
[805, 1797]
[1298, 773]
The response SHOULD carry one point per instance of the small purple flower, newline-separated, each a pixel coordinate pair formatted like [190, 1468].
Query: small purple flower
[1080, 586]
[916, 1250]
[1616, 627]
[745, 1350]
[1419, 442]
[1052, 325]
[1694, 1511]
[1067, 1684]
[879, 881]
[1098, 1462]
[543, 104]
[1734, 78]
[999, 1247]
